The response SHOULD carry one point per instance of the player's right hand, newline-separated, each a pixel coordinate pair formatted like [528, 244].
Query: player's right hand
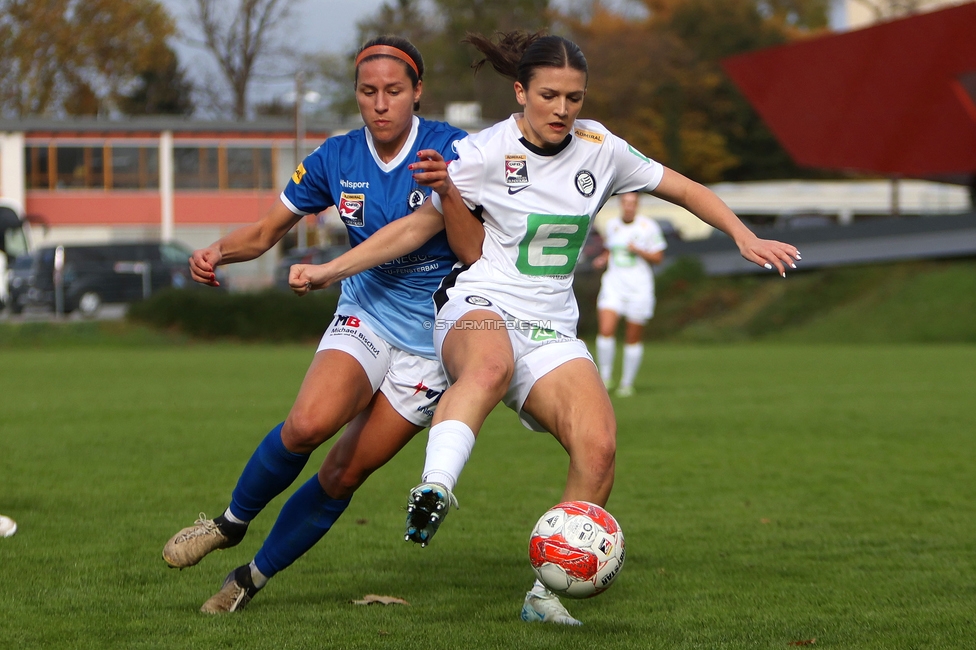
[600, 261]
[203, 266]
[431, 171]
[303, 278]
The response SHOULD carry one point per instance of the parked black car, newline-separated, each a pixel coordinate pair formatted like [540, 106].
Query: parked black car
[107, 273]
[313, 255]
[18, 283]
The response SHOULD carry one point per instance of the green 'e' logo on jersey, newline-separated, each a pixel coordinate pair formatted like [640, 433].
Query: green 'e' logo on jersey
[552, 244]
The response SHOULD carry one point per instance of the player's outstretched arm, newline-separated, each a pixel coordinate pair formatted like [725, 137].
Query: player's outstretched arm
[242, 244]
[651, 258]
[704, 204]
[405, 235]
[465, 233]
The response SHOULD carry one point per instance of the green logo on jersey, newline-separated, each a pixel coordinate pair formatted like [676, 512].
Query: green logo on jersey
[638, 154]
[623, 257]
[552, 244]
[539, 334]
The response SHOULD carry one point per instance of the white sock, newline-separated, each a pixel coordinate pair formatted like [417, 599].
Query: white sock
[449, 445]
[258, 578]
[229, 516]
[606, 348]
[633, 353]
[539, 589]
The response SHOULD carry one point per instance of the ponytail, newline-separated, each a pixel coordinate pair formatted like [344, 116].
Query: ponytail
[516, 55]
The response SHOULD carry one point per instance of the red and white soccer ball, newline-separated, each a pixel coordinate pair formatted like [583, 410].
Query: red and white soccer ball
[577, 549]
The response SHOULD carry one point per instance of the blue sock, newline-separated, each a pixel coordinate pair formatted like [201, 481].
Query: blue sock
[270, 470]
[304, 520]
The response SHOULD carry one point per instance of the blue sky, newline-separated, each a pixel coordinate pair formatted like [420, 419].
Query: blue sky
[315, 25]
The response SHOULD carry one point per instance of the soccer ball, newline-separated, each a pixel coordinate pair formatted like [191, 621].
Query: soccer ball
[577, 549]
[7, 526]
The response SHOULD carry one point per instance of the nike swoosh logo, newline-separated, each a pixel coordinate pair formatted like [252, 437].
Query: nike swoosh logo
[516, 190]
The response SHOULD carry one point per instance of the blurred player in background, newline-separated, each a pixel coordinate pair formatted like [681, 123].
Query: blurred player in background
[633, 243]
[375, 367]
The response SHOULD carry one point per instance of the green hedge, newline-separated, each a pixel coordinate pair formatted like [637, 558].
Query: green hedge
[921, 301]
[268, 315]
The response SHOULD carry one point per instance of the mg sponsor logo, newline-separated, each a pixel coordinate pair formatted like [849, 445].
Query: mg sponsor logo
[347, 321]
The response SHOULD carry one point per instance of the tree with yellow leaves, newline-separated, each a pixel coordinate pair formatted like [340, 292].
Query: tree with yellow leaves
[78, 57]
[657, 80]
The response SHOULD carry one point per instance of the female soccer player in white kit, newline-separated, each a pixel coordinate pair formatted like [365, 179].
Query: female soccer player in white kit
[506, 325]
[633, 243]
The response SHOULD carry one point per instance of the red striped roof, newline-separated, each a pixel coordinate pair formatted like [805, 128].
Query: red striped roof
[897, 98]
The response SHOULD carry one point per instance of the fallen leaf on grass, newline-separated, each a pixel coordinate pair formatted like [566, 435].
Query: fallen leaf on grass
[764, 521]
[369, 599]
[362, 522]
[804, 642]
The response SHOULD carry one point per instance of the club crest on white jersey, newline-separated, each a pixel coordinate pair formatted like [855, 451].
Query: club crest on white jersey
[585, 183]
[516, 169]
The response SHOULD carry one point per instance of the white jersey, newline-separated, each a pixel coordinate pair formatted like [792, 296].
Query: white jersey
[538, 206]
[627, 271]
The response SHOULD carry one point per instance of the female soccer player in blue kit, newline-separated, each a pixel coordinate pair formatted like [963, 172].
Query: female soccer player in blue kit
[375, 367]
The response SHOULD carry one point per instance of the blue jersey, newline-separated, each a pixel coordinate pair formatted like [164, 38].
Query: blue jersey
[345, 172]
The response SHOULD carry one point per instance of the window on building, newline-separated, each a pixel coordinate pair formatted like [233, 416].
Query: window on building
[249, 168]
[135, 168]
[80, 167]
[36, 167]
[118, 166]
[195, 168]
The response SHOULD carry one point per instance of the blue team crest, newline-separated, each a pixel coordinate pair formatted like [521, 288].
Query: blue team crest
[416, 198]
[352, 208]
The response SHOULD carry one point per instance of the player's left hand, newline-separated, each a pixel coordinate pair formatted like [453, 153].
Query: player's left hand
[303, 278]
[769, 253]
[431, 171]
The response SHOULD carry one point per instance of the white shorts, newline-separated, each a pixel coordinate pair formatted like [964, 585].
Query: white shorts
[412, 383]
[537, 351]
[635, 307]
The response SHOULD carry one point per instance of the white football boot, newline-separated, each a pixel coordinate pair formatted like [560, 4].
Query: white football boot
[545, 608]
[427, 506]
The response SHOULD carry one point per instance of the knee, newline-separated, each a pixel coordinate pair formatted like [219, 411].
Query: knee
[600, 452]
[304, 431]
[605, 454]
[340, 481]
[493, 375]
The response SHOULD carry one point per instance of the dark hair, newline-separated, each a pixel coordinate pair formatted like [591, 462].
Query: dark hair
[404, 46]
[517, 54]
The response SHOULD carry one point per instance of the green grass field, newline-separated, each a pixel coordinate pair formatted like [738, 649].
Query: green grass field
[770, 494]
